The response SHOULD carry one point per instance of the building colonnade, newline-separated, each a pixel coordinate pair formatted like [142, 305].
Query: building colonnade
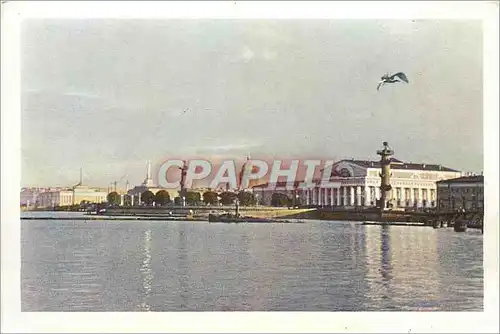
[367, 196]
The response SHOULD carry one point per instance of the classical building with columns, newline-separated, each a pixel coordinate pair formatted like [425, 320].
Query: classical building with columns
[75, 195]
[358, 185]
[71, 196]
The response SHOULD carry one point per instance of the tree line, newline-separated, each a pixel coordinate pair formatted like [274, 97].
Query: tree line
[162, 198]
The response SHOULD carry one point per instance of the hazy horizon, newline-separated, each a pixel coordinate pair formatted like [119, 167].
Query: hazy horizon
[107, 95]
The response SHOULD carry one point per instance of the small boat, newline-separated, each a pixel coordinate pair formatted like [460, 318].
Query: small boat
[460, 225]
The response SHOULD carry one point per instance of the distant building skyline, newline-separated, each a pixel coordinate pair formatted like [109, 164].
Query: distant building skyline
[109, 95]
[149, 175]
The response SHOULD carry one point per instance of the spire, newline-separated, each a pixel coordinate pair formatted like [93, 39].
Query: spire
[81, 178]
[242, 172]
[148, 182]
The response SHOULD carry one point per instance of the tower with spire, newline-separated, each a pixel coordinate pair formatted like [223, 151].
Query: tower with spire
[148, 181]
[245, 168]
[147, 185]
[80, 183]
[242, 172]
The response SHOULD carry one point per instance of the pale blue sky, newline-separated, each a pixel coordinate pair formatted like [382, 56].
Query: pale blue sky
[109, 94]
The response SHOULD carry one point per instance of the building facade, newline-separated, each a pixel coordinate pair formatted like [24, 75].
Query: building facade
[465, 192]
[29, 196]
[358, 185]
[87, 194]
[71, 196]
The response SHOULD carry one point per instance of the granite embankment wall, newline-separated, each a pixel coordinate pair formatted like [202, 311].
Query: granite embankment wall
[267, 212]
[260, 212]
[367, 215]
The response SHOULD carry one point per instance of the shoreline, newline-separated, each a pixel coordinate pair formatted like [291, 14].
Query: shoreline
[99, 217]
[205, 220]
[366, 216]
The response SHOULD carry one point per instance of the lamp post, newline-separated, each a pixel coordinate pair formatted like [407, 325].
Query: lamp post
[256, 199]
[237, 207]
[183, 201]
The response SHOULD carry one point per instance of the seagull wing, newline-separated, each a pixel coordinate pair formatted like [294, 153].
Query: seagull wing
[380, 84]
[401, 76]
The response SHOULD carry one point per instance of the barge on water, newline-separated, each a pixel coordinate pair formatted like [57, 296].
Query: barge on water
[232, 218]
[237, 218]
[461, 225]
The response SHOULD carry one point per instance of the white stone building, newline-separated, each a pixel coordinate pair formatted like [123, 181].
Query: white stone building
[413, 185]
[71, 196]
[75, 195]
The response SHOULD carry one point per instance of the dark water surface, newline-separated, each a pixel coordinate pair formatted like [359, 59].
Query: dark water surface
[186, 266]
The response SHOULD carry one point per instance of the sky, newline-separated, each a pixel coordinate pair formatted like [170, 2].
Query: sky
[108, 95]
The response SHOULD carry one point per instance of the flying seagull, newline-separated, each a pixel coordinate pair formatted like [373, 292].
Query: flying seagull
[397, 77]
[185, 110]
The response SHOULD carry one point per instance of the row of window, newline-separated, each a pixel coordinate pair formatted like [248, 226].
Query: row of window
[460, 204]
[467, 190]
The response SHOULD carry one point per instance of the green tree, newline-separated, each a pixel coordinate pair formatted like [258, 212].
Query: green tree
[113, 198]
[193, 198]
[210, 197]
[127, 200]
[280, 199]
[246, 198]
[227, 197]
[178, 200]
[162, 198]
[147, 197]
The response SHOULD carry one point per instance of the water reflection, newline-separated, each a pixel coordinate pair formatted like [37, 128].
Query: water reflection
[317, 266]
[416, 268]
[408, 277]
[183, 267]
[146, 270]
[385, 260]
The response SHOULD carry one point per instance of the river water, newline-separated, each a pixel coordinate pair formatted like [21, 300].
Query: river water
[195, 266]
